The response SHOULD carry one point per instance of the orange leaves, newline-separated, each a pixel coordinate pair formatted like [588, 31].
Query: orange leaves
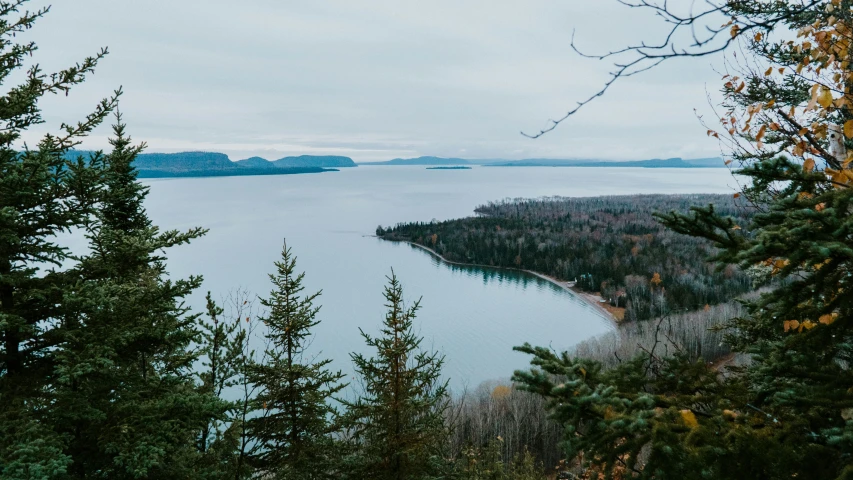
[656, 280]
[798, 326]
[500, 392]
[808, 165]
[760, 135]
[791, 325]
[840, 178]
[689, 418]
[735, 30]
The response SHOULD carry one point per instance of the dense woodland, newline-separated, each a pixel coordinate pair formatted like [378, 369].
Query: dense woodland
[613, 245]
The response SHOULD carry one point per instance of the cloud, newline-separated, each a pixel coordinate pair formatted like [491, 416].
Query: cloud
[373, 79]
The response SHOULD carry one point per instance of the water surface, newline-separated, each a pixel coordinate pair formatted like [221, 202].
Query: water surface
[474, 316]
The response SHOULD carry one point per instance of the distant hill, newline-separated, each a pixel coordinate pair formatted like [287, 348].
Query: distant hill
[325, 161]
[205, 164]
[556, 162]
[423, 161]
[653, 163]
[184, 161]
[232, 172]
[254, 162]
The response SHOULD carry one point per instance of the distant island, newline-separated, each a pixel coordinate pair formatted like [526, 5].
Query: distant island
[715, 162]
[212, 164]
[422, 161]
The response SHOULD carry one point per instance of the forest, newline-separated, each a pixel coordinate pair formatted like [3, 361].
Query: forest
[612, 245]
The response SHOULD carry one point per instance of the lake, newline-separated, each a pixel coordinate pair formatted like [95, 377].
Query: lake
[474, 316]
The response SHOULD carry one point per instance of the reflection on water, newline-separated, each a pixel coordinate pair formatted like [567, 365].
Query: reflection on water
[473, 315]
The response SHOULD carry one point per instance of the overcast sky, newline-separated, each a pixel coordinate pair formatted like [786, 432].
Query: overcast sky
[374, 80]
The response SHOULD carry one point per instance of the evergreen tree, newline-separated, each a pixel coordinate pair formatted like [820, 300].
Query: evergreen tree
[294, 426]
[397, 424]
[43, 193]
[787, 412]
[223, 364]
[127, 400]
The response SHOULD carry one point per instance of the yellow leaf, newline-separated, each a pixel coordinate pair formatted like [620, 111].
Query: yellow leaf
[689, 418]
[848, 129]
[583, 371]
[808, 325]
[824, 98]
[808, 165]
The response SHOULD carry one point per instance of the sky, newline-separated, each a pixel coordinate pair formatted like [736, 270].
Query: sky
[375, 80]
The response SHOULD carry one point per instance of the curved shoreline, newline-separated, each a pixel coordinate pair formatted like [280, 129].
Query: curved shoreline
[586, 297]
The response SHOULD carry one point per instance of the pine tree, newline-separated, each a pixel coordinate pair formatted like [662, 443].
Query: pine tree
[43, 193]
[127, 400]
[293, 429]
[787, 412]
[397, 424]
[223, 364]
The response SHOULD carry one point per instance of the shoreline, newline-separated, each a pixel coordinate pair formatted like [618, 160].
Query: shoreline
[590, 299]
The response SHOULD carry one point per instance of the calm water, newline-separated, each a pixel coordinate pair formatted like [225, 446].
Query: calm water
[474, 316]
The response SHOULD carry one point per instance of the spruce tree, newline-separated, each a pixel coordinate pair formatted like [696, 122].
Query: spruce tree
[44, 192]
[294, 425]
[787, 121]
[127, 400]
[397, 424]
[223, 364]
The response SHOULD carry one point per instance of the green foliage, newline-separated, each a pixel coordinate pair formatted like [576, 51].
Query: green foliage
[397, 424]
[786, 412]
[612, 245]
[295, 420]
[223, 365]
[126, 399]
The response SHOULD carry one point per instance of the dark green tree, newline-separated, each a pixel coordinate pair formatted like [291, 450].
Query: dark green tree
[223, 366]
[785, 413]
[295, 423]
[397, 424]
[127, 401]
[44, 192]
